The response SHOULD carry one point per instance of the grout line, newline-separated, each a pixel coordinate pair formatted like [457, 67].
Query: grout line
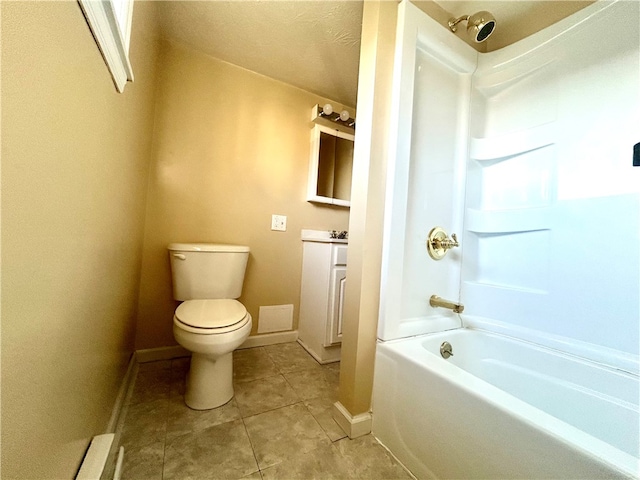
[272, 409]
[253, 450]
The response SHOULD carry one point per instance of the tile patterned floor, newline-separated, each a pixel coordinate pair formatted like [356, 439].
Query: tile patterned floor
[277, 426]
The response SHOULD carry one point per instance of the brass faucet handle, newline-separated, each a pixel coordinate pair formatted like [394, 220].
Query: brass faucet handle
[448, 243]
[438, 242]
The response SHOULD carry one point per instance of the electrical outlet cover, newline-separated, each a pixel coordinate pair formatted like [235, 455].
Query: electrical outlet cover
[279, 223]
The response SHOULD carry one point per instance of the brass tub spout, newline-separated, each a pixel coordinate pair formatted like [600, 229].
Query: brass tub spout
[436, 301]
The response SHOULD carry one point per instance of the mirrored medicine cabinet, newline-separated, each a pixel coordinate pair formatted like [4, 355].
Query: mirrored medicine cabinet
[330, 166]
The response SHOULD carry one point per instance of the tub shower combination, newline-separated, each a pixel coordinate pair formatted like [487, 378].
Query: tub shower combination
[511, 349]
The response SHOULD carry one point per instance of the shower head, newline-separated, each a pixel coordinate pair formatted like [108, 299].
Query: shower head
[479, 25]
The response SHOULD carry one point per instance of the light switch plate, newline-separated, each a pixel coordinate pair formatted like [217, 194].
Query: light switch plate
[279, 223]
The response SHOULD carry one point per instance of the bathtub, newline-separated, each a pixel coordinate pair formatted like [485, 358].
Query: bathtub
[503, 408]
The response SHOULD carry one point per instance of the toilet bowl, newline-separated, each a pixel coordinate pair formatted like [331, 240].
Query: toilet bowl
[209, 322]
[211, 330]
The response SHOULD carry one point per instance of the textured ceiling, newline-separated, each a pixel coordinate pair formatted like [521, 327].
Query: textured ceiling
[315, 44]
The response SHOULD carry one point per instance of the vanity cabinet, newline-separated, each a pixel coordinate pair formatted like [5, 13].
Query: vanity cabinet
[324, 270]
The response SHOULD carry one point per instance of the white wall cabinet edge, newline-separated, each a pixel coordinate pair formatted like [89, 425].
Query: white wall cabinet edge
[314, 159]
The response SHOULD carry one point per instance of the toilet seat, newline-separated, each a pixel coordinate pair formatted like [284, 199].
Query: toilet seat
[211, 317]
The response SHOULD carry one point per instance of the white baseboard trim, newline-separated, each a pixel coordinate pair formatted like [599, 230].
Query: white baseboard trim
[125, 387]
[354, 426]
[270, 339]
[118, 416]
[176, 351]
[335, 358]
[96, 457]
[161, 353]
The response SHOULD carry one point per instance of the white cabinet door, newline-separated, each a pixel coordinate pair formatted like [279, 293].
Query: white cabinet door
[336, 291]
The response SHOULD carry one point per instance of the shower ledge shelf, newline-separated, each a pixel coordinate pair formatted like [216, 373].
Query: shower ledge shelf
[497, 82]
[512, 144]
[508, 221]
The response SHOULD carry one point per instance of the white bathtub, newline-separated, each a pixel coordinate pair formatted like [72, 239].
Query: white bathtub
[503, 408]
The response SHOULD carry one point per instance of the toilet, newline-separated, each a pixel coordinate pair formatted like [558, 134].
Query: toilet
[210, 322]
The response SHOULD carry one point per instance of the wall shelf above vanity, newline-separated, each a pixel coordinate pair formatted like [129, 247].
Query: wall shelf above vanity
[331, 158]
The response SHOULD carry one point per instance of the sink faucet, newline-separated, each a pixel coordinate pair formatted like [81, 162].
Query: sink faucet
[343, 235]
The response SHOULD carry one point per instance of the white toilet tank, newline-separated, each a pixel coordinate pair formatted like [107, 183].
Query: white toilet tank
[207, 270]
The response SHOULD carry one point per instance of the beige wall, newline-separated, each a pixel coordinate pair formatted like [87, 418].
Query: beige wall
[524, 18]
[540, 14]
[231, 148]
[74, 171]
[367, 206]
[442, 16]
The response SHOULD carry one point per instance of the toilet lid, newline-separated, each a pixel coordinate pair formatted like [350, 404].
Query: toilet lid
[210, 313]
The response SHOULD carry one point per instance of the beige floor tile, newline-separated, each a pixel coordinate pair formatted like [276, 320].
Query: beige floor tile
[290, 357]
[182, 420]
[181, 364]
[368, 459]
[281, 433]
[154, 366]
[144, 424]
[252, 364]
[179, 370]
[153, 382]
[333, 367]
[220, 452]
[143, 463]
[312, 383]
[263, 395]
[286, 399]
[322, 410]
[253, 476]
[332, 373]
[322, 463]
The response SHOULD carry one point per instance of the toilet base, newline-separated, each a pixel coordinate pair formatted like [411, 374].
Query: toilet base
[209, 382]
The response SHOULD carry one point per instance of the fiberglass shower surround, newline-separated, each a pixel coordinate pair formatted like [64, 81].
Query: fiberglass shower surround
[526, 154]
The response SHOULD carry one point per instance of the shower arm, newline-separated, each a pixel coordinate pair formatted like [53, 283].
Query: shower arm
[455, 21]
